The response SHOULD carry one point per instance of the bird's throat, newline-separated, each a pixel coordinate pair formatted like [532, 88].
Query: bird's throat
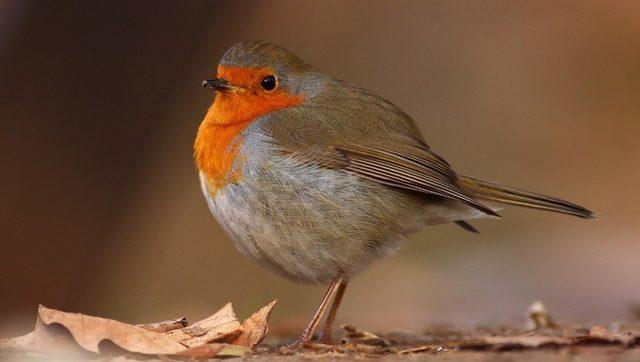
[216, 150]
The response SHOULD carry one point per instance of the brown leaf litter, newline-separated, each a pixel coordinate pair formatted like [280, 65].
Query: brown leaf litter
[479, 340]
[220, 335]
[541, 332]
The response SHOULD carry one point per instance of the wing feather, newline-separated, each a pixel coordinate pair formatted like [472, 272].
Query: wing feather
[399, 171]
[348, 128]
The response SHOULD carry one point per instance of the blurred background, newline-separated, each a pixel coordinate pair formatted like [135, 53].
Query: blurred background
[101, 211]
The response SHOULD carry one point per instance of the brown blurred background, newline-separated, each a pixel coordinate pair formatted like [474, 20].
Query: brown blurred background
[101, 211]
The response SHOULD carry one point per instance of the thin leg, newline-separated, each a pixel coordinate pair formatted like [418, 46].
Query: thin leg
[307, 334]
[328, 324]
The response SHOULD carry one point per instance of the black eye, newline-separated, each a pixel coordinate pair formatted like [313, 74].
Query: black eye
[269, 83]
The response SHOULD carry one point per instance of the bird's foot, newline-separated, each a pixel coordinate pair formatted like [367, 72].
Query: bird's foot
[296, 345]
[304, 342]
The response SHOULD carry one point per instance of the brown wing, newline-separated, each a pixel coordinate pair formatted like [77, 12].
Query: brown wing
[417, 170]
[346, 127]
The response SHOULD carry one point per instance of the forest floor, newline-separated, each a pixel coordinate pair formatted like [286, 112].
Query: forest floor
[63, 336]
[503, 344]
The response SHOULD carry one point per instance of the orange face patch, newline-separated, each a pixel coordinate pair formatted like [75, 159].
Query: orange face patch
[216, 144]
[252, 101]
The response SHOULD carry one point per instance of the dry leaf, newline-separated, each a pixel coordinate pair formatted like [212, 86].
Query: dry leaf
[223, 324]
[363, 341]
[422, 349]
[596, 335]
[255, 327]
[601, 334]
[165, 326]
[58, 331]
[52, 338]
[524, 341]
[538, 317]
[356, 336]
[89, 331]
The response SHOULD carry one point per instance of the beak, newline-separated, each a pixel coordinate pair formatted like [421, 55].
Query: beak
[221, 84]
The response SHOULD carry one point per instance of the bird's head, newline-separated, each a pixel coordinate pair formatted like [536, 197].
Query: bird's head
[255, 78]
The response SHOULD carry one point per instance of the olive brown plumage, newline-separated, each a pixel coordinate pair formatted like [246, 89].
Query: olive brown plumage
[315, 178]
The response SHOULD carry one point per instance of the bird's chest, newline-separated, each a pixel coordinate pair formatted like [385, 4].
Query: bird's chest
[217, 154]
[305, 222]
[246, 188]
[264, 196]
[269, 206]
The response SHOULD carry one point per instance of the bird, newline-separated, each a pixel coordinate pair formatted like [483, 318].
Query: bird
[316, 179]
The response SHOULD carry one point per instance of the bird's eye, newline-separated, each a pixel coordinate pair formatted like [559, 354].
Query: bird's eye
[269, 83]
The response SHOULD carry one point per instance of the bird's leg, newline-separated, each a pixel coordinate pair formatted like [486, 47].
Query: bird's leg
[307, 334]
[325, 337]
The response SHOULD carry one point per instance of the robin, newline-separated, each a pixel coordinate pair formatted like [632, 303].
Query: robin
[316, 178]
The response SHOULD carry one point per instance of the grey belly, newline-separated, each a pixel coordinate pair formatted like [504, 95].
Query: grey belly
[313, 224]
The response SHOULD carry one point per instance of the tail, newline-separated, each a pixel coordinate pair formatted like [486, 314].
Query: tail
[491, 191]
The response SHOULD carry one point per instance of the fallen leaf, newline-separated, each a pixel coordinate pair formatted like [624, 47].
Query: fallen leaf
[356, 336]
[524, 341]
[54, 338]
[255, 327]
[57, 331]
[89, 331]
[538, 317]
[166, 326]
[596, 335]
[222, 325]
[601, 334]
[363, 341]
[421, 349]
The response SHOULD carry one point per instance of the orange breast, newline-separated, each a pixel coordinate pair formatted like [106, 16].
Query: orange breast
[216, 146]
[216, 149]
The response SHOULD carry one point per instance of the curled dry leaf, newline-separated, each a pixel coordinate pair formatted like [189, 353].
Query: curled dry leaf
[222, 325]
[255, 327]
[58, 331]
[538, 317]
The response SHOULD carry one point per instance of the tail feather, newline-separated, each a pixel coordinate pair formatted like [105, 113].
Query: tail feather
[465, 225]
[491, 191]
